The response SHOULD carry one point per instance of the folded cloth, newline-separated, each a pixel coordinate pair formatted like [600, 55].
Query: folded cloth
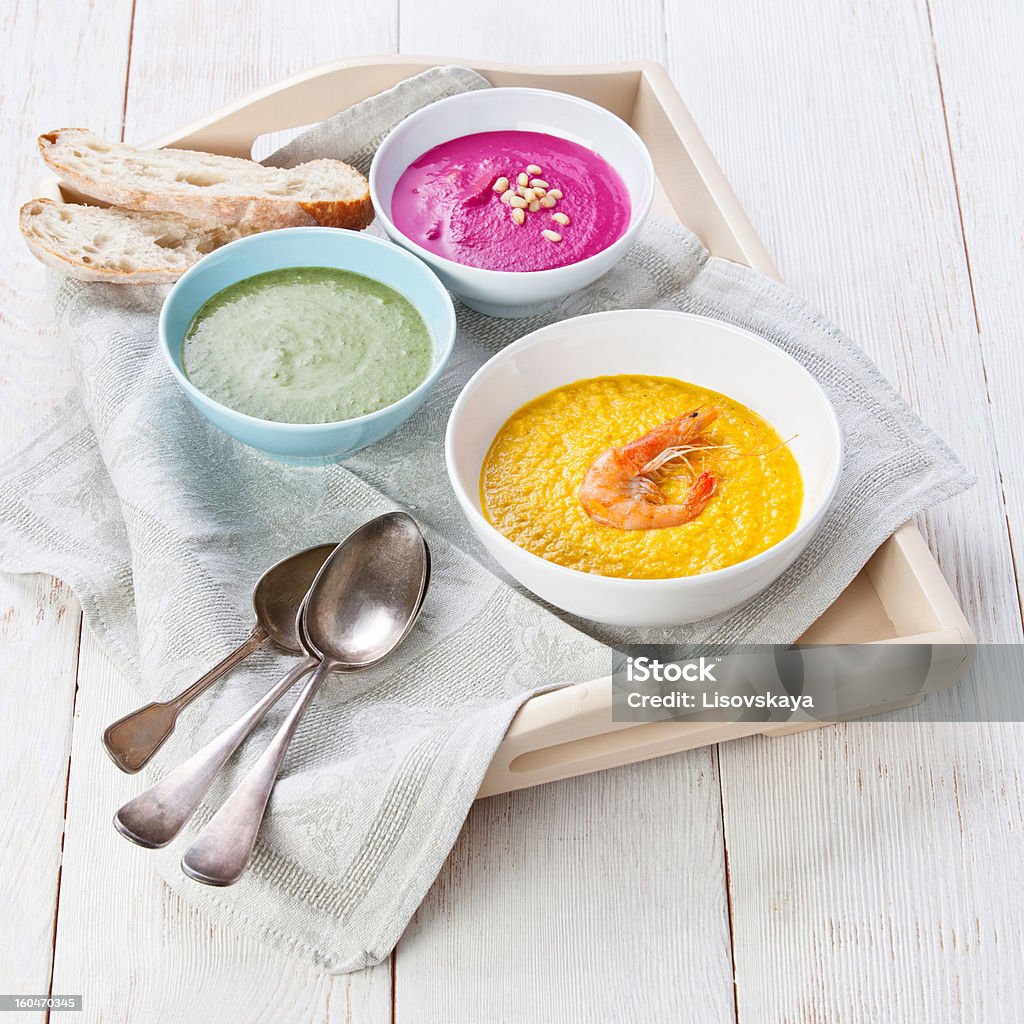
[161, 524]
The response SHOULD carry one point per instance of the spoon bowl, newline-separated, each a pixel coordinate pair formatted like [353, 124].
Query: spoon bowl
[368, 594]
[281, 590]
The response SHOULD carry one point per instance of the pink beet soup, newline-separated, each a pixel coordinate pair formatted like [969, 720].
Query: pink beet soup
[453, 202]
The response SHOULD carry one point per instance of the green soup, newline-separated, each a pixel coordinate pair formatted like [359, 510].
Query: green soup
[307, 345]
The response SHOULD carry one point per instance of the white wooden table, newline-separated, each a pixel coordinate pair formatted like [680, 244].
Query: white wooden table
[869, 872]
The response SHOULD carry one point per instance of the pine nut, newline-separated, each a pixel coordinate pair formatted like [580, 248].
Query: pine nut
[518, 202]
[547, 201]
[529, 195]
[555, 193]
[523, 178]
[518, 216]
[533, 168]
[540, 193]
[535, 206]
[551, 236]
[521, 190]
[538, 183]
[501, 185]
[562, 218]
[506, 196]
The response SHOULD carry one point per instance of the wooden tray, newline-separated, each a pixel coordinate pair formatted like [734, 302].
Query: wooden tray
[899, 596]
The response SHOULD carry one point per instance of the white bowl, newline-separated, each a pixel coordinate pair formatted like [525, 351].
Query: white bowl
[660, 343]
[535, 110]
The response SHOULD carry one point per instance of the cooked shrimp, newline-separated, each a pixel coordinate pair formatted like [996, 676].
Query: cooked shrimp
[621, 489]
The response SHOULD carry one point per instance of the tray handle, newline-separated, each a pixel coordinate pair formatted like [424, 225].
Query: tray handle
[570, 731]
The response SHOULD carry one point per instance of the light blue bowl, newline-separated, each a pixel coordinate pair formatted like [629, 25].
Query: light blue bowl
[308, 443]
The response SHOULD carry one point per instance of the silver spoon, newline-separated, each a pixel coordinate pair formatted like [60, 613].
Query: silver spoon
[131, 741]
[360, 608]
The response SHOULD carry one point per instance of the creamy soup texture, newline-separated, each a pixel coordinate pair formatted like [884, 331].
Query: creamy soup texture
[511, 201]
[307, 345]
[530, 480]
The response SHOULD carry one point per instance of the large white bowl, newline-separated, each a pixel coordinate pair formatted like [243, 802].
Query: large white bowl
[662, 343]
[500, 292]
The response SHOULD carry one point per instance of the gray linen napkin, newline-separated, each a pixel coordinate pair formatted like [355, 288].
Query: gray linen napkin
[161, 524]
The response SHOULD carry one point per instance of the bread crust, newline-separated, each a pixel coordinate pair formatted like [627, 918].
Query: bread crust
[250, 213]
[354, 216]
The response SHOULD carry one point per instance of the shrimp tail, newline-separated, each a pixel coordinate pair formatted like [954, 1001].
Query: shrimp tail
[700, 493]
[685, 511]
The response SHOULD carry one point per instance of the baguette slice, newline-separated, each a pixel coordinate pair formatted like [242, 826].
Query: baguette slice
[94, 243]
[202, 186]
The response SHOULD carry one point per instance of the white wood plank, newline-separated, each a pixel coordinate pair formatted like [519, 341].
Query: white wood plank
[45, 46]
[39, 623]
[190, 57]
[829, 124]
[574, 32]
[592, 899]
[875, 871]
[978, 54]
[868, 863]
[599, 898]
[136, 951]
[165, 961]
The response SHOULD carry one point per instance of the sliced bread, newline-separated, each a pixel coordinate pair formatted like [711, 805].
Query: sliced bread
[96, 243]
[202, 186]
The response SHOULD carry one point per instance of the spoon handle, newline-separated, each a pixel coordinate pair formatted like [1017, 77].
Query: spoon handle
[131, 741]
[222, 850]
[156, 816]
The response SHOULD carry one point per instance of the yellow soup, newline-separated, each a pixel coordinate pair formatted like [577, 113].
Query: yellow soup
[531, 477]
